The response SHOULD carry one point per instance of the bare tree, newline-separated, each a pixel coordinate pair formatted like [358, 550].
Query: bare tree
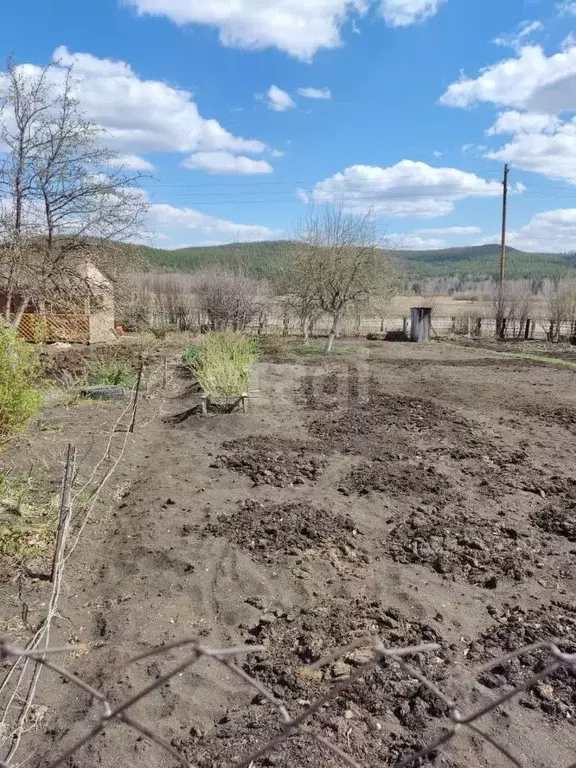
[61, 201]
[511, 306]
[229, 300]
[562, 311]
[172, 299]
[336, 263]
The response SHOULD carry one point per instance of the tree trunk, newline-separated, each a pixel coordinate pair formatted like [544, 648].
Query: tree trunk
[332, 335]
[15, 322]
[8, 310]
[306, 330]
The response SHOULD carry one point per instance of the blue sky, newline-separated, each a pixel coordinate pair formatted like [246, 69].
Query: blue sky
[244, 112]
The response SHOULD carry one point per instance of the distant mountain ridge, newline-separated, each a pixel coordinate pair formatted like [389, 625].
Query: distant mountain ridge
[477, 262]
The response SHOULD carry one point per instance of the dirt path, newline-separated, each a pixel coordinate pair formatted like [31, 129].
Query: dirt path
[436, 470]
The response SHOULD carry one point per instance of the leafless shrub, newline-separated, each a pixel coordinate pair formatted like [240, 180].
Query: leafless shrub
[511, 308]
[562, 312]
[229, 300]
[173, 300]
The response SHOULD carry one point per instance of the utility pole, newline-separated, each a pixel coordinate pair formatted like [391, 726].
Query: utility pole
[504, 215]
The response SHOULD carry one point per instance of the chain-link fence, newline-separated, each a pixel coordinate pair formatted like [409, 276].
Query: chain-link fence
[304, 722]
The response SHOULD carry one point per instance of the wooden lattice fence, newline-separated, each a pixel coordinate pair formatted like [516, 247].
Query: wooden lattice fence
[53, 327]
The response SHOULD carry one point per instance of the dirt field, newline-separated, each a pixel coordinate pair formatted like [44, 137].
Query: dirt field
[416, 493]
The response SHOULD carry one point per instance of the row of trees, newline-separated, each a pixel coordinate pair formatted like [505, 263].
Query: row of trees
[514, 305]
[334, 267]
[64, 200]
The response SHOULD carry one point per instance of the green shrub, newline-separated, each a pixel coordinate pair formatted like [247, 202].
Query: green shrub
[19, 373]
[190, 354]
[222, 364]
[112, 373]
[161, 330]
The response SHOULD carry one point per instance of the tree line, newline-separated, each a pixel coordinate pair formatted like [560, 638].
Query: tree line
[65, 200]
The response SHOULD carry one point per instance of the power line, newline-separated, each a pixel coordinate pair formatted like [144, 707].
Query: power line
[233, 184]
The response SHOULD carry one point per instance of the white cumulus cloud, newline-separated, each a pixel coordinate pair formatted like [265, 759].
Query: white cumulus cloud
[464, 231]
[408, 188]
[412, 242]
[531, 81]
[226, 163]
[512, 121]
[303, 196]
[523, 30]
[279, 100]
[179, 222]
[315, 93]
[551, 155]
[140, 116]
[541, 144]
[298, 27]
[553, 231]
[567, 8]
[132, 163]
[402, 13]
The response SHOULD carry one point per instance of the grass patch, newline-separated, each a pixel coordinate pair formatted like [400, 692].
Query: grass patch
[111, 373]
[221, 364]
[546, 359]
[27, 527]
[277, 346]
[315, 348]
[542, 359]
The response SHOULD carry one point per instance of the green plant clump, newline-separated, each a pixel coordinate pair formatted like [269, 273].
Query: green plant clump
[190, 354]
[222, 364]
[113, 373]
[20, 372]
[160, 330]
[26, 527]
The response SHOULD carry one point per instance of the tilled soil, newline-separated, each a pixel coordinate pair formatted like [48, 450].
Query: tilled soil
[377, 421]
[559, 520]
[73, 362]
[468, 486]
[270, 531]
[459, 546]
[562, 416]
[382, 716]
[517, 628]
[398, 478]
[272, 460]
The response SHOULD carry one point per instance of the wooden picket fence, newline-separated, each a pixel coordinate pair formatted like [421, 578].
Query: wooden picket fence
[53, 327]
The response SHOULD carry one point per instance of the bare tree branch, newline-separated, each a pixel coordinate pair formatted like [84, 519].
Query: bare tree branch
[62, 204]
[336, 264]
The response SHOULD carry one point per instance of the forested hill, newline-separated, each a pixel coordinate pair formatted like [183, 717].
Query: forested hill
[475, 262]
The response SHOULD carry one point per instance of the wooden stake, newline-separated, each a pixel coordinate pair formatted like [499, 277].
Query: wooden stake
[165, 374]
[65, 508]
[136, 395]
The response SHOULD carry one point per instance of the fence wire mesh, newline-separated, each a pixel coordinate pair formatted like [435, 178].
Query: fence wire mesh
[302, 723]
